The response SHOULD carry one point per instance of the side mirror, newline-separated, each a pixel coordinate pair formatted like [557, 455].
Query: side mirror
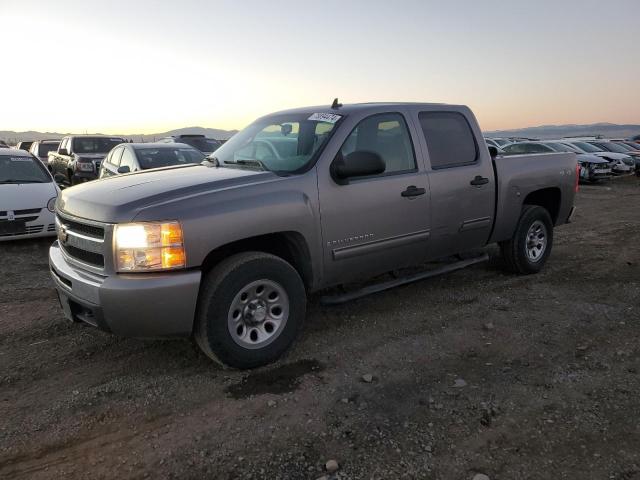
[493, 151]
[59, 178]
[63, 151]
[124, 169]
[360, 163]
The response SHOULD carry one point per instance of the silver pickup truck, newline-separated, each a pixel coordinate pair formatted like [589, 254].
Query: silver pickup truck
[300, 200]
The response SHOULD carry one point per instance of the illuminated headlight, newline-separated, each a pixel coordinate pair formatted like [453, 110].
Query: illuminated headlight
[144, 247]
[51, 204]
[84, 166]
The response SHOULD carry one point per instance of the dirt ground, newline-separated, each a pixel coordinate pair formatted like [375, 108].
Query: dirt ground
[478, 371]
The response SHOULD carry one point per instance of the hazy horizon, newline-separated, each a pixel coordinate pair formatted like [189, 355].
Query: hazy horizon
[144, 68]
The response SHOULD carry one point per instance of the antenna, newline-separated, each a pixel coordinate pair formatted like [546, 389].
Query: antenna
[335, 105]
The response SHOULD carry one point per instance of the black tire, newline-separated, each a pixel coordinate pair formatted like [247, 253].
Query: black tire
[514, 250]
[221, 286]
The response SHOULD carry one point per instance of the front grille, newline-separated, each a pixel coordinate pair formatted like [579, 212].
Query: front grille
[85, 256]
[51, 227]
[85, 229]
[82, 241]
[3, 213]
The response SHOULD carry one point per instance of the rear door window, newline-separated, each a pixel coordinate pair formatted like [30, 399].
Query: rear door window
[450, 140]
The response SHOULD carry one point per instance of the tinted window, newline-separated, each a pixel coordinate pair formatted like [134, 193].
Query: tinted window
[45, 148]
[165, 157]
[22, 169]
[527, 148]
[387, 135]
[450, 140]
[203, 144]
[95, 144]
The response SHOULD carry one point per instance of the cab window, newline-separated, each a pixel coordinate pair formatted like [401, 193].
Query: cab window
[450, 140]
[387, 135]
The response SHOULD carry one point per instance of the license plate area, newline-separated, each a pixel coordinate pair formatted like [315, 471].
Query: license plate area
[9, 227]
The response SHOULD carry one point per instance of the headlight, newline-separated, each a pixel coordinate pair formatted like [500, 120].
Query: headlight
[84, 166]
[144, 247]
[51, 204]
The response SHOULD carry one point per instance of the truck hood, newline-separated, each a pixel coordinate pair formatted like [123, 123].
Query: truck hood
[23, 196]
[121, 198]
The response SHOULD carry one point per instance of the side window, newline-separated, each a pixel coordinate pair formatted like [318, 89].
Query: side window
[114, 156]
[64, 143]
[388, 136]
[128, 160]
[450, 140]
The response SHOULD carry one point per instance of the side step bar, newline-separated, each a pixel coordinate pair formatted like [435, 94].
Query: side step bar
[379, 287]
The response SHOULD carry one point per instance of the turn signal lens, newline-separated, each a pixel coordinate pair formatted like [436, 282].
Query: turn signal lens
[144, 247]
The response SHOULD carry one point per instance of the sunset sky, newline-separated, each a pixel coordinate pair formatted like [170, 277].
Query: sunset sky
[150, 66]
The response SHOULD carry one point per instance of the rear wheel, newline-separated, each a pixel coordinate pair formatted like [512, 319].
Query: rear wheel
[527, 251]
[250, 310]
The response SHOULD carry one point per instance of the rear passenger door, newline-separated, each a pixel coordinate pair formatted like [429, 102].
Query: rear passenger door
[461, 179]
[380, 222]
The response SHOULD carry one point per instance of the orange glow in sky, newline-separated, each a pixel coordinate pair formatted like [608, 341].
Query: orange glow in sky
[148, 66]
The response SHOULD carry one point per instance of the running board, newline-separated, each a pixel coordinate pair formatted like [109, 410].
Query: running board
[379, 287]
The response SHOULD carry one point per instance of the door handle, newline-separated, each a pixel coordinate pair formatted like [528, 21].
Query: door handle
[476, 182]
[413, 191]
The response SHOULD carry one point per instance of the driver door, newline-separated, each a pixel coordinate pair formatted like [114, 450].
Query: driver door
[377, 223]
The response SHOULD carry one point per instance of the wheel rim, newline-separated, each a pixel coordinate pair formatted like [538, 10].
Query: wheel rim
[258, 314]
[537, 239]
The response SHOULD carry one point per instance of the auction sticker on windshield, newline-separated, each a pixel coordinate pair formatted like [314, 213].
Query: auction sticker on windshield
[20, 159]
[325, 117]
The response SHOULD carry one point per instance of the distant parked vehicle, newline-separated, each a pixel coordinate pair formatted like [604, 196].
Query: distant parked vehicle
[23, 146]
[78, 157]
[592, 168]
[202, 143]
[616, 160]
[41, 149]
[132, 157]
[609, 146]
[27, 196]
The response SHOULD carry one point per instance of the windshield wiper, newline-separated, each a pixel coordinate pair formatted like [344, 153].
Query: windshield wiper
[248, 163]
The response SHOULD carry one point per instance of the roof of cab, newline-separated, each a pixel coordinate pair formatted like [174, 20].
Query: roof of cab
[358, 107]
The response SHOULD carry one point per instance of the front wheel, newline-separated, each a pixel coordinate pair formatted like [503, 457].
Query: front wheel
[527, 251]
[250, 310]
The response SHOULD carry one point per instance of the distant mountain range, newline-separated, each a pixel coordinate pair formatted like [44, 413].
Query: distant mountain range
[608, 130]
[14, 137]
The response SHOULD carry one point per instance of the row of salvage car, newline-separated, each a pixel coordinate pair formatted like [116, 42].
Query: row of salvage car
[599, 158]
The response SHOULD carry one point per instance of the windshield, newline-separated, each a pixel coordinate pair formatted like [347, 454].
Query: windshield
[627, 147]
[281, 143]
[614, 147]
[558, 147]
[587, 147]
[22, 169]
[203, 144]
[166, 157]
[95, 144]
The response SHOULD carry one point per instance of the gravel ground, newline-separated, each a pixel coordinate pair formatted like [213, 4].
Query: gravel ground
[477, 372]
